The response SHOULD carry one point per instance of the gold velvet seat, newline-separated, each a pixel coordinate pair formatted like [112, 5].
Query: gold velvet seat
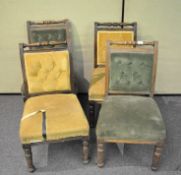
[97, 89]
[52, 112]
[129, 114]
[61, 122]
[105, 32]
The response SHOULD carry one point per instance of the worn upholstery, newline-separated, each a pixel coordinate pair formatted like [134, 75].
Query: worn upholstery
[104, 36]
[130, 118]
[48, 35]
[64, 118]
[97, 85]
[131, 72]
[47, 71]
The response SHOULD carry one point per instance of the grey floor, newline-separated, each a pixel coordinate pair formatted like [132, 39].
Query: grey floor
[65, 158]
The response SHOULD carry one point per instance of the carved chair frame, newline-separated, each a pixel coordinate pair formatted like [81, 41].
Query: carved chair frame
[35, 47]
[49, 25]
[144, 47]
[108, 26]
[158, 145]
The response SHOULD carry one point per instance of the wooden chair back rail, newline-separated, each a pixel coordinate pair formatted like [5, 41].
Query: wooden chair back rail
[153, 44]
[48, 25]
[136, 43]
[48, 22]
[50, 43]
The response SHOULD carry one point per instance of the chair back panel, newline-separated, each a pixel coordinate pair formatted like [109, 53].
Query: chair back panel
[47, 71]
[47, 31]
[47, 35]
[104, 36]
[131, 71]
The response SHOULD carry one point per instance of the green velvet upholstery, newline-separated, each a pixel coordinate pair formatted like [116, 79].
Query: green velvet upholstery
[130, 72]
[48, 35]
[130, 118]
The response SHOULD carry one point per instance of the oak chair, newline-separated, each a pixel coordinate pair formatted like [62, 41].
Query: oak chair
[52, 112]
[102, 33]
[129, 113]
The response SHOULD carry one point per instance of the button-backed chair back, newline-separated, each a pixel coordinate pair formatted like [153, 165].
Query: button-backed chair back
[52, 112]
[115, 32]
[47, 31]
[102, 33]
[132, 70]
[129, 114]
[46, 70]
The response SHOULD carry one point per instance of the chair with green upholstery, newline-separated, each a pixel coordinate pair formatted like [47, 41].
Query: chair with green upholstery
[47, 31]
[102, 33]
[52, 112]
[129, 114]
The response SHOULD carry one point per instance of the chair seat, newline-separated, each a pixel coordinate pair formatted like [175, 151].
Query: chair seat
[64, 118]
[130, 118]
[97, 85]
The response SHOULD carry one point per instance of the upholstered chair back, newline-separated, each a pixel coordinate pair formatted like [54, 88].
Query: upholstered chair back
[46, 70]
[131, 70]
[47, 31]
[114, 32]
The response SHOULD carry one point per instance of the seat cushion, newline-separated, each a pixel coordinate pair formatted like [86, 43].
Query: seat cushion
[130, 118]
[47, 71]
[97, 85]
[64, 118]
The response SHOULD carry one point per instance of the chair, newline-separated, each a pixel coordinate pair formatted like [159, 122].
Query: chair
[47, 31]
[129, 114]
[104, 32]
[52, 112]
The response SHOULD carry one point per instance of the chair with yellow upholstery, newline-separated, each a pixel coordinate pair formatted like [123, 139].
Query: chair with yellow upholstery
[129, 114]
[52, 112]
[103, 33]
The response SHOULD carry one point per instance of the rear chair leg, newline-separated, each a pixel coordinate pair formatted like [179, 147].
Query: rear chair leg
[100, 154]
[85, 151]
[92, 114]
[156, 156]
[28, 156]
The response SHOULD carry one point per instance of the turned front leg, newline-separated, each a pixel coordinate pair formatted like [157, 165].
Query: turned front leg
[100, 154]
[85, 151]
[156, 156]
[92, 114]
[28, 156]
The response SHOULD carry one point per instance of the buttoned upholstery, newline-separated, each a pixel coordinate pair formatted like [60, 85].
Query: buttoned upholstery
[47, 71]
[97, 89]
[104, 36]
[130, 118]
[48, 35]
[130, 72]
[64, 118]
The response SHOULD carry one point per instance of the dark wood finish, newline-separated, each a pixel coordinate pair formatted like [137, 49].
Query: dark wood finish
[28, 156]
[158, 145]
[92, 119]
[33, 48]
